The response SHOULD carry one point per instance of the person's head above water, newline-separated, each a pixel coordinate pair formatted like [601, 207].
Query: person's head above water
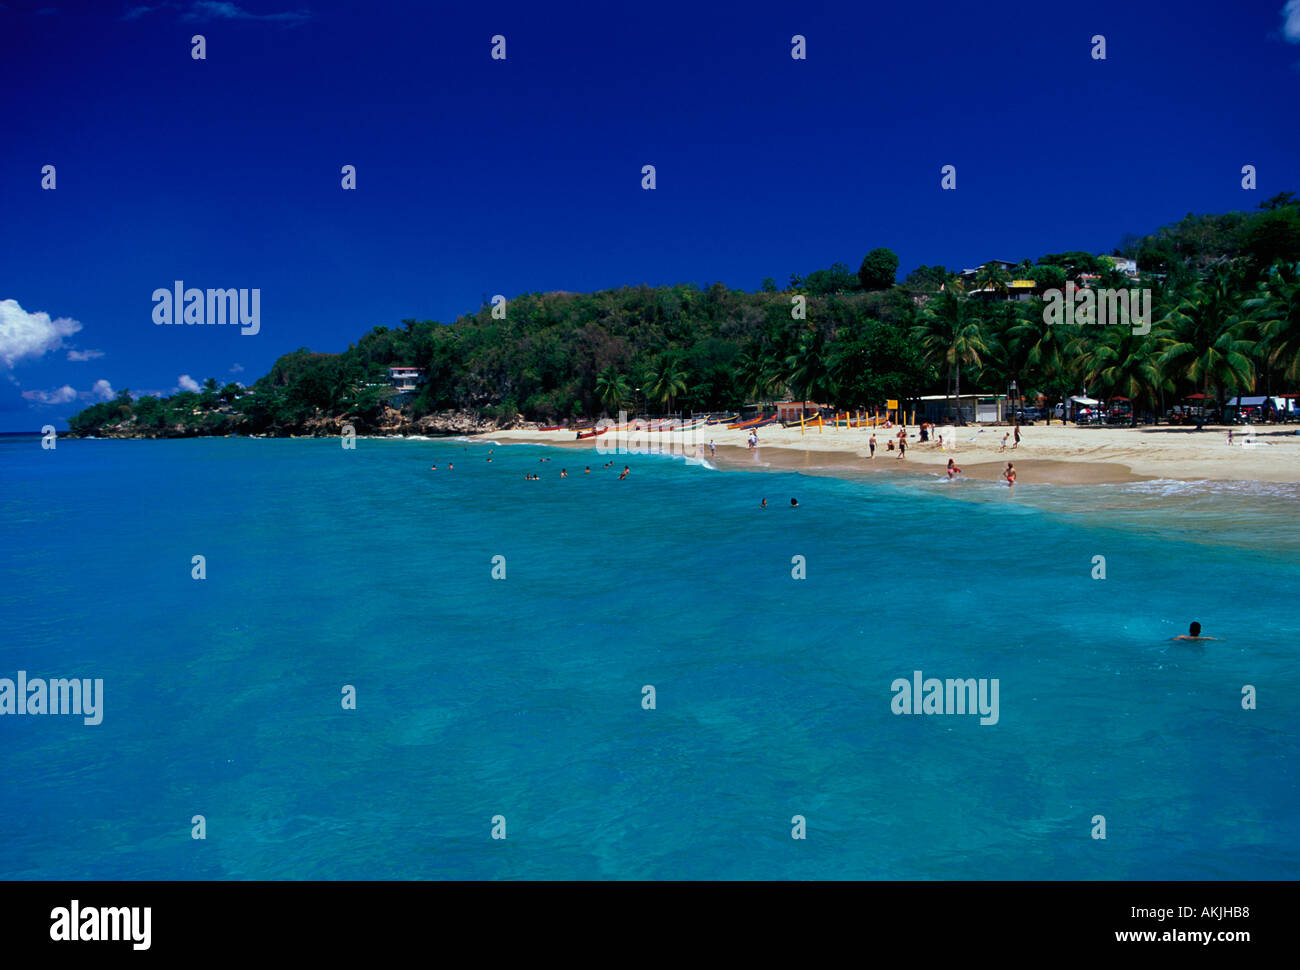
[794, 501]
[1194, 630]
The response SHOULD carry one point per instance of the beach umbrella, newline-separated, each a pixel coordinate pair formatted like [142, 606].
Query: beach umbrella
[1200, 408]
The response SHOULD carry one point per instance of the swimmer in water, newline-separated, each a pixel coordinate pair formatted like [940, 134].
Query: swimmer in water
[794, 503]
[588, 471]
[1010, 474]
[952, 468]
[433, 468]
[763, 504]
[1193, 633]
[564, 473]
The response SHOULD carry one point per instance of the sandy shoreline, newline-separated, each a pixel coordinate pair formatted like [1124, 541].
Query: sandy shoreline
[1063, 455]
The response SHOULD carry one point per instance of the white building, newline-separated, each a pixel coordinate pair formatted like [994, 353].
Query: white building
[405, 380]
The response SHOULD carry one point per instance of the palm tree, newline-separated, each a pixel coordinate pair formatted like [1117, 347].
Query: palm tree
[666, 380]
[612, 389]
[808, 367]
[992, 276]
[756, 373]
[950, 334]
[1277, 308]
[1120, 362]
[1042, 347]
[1205, 342]
[1006, 357]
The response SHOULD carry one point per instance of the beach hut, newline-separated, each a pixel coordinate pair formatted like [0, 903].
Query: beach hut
[1292, 410]
[1079, 403]
[1119, 409]
[1257, 408]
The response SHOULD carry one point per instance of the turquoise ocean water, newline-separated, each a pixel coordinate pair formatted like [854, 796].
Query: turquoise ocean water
[521, 697]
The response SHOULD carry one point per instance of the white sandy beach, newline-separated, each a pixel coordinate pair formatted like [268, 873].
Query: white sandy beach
[1064, 454]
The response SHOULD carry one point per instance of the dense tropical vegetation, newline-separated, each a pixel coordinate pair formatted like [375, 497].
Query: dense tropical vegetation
[1226, 320]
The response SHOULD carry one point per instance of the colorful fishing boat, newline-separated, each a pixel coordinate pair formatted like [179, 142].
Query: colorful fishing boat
[754, 423]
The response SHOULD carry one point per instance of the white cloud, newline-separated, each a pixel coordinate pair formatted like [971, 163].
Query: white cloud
[61, 395]
[24, 334]
[100, 390]
[205, 10]
[237, 369]
[187, 383]
[1291, 21]
[84, 354]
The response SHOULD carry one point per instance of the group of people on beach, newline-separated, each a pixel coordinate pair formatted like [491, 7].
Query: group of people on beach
[898, 442]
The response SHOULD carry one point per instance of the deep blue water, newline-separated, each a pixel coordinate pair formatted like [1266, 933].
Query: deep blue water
[522, 697]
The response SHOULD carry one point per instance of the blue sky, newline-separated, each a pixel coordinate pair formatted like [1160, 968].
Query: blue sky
[477, 176]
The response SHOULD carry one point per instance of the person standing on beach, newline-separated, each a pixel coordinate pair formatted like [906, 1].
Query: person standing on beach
[872, 445]
[902, 446]
[952, 468]
[1017, 430]
[713, 449]
[1229, 436]
[1010, 474]
[1004, 441]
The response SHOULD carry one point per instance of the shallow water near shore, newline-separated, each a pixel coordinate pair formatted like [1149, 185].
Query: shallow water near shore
[522, 697]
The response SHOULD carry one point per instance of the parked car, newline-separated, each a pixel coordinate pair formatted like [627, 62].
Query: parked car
[1028, 415]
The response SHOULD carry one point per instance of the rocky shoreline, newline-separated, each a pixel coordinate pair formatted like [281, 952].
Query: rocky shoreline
[390, 423]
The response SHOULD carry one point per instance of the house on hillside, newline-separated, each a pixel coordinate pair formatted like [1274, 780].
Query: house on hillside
[1016, 289]
[967, 276]
[405, 381]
